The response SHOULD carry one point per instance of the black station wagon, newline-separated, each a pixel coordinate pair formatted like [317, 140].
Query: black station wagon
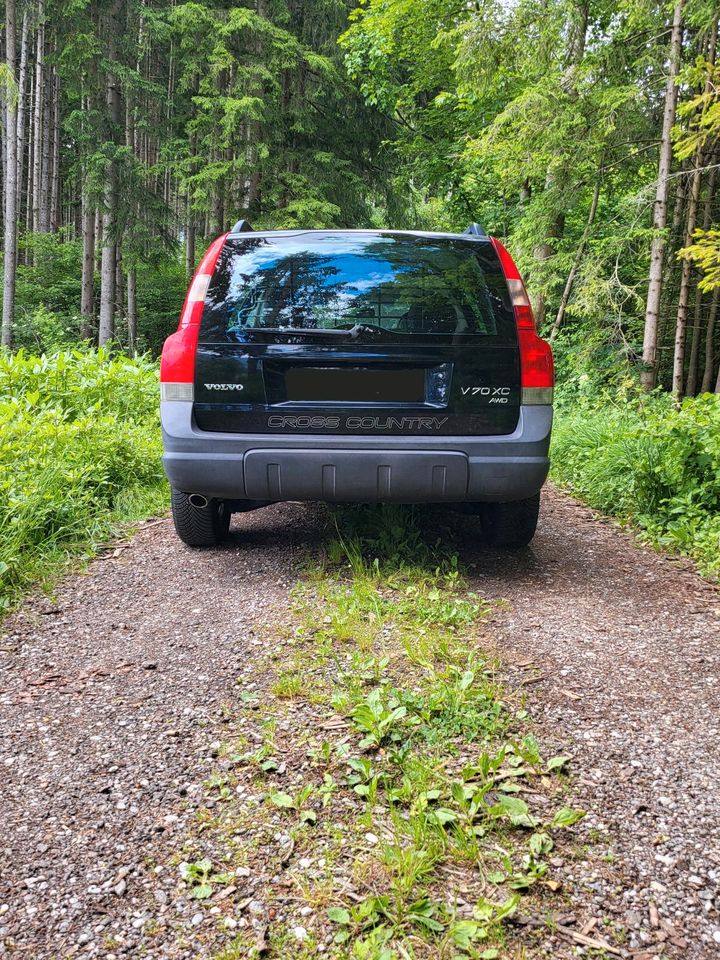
[356, 365]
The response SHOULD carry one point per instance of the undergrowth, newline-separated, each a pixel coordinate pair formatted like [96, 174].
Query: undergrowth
[385, 775]
[80, 452]
[644, 461]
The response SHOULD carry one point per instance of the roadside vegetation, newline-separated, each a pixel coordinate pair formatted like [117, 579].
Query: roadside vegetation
[80, 453]
[641, 457]
[379, 778]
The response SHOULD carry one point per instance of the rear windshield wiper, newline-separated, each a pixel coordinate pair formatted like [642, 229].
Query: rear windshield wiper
[352, 332]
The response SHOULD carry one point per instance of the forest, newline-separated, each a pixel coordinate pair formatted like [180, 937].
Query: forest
[583, 133]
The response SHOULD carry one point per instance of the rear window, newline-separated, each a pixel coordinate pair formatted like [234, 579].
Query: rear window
[372, 286]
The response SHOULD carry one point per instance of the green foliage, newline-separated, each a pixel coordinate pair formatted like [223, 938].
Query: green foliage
[649, 463]
[47, 309]
[267, 100]
[516, 134]
[80, 450]
[161, 290]
[47, 300]
[705, 252]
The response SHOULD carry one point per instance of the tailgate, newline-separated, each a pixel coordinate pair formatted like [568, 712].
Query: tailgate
[385, 390]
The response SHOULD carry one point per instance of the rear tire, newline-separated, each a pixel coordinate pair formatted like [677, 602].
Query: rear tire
[199, 526]
[511, 525]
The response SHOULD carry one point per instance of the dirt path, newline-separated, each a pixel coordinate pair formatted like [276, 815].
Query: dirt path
[111, 701]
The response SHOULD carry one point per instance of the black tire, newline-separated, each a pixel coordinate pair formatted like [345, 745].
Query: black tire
[510, 525]
[199, 526]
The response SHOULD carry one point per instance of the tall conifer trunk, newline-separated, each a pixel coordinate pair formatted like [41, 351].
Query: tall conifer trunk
[11, 170]
[87, 301]
[648, 377]
[707, 380]
[54, 205]
[132, 310]
[108, 267]
[46, 154]
[39, 86]
[22, 102]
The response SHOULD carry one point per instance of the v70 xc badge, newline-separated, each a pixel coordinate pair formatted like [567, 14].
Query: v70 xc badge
[486, 391]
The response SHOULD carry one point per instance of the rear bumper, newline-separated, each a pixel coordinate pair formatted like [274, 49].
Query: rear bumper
[406, 469]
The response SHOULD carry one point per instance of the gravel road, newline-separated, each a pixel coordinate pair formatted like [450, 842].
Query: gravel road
[113, 695]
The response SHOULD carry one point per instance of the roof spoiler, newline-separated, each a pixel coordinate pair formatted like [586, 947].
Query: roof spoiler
[242, 226]
[474, 230]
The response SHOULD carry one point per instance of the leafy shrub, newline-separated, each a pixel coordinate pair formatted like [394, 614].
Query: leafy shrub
[649, 463]
[81, 448]
[42, 329]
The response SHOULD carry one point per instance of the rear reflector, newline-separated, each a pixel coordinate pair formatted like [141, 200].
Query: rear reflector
[177, 364]
[177, 391]
[537, 371]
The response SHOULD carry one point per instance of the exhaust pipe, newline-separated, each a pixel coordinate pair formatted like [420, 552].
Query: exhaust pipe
[198, 501]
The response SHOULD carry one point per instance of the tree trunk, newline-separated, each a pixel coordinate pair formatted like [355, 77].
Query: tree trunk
[648, 377]
[55, 178]
[132, 310]
[685, 278]
[707, 380]
[691, 388]
[692, 374]
[106, 324]
[10, 231]
[578, 257]
[30, 152]
[45, 171]
[87, 296]
[190, 249]
[3, 147]
[683, 298]
[543, 253]
[38, 116]
[556, 180]
[119, 282]
[22, 100]
[98, 239]
[108, 268]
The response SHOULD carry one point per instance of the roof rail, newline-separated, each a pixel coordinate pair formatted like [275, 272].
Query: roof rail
[474, 230]
[242, 226]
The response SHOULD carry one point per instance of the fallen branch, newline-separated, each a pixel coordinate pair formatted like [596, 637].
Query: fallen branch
[589, 941]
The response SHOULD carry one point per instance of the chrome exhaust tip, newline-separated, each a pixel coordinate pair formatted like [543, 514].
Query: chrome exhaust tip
[198, 501]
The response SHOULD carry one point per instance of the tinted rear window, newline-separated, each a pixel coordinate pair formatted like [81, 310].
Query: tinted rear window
[387, 286]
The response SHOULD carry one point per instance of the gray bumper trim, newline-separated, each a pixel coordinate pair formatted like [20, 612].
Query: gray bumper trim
[356, 468]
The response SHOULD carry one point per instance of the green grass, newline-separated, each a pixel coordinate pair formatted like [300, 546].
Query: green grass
[398, 765]
[650, 464]
[390, 617]
[80, 454]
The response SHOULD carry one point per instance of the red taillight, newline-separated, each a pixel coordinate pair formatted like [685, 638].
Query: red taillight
[177, 364]
[537, 371]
